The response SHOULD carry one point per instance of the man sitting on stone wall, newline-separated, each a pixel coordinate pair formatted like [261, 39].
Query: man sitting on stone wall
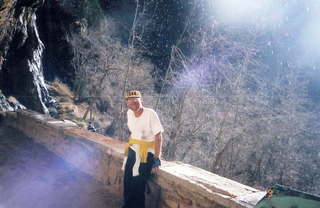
[143, 149]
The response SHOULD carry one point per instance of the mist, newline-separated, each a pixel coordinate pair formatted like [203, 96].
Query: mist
[294, 24]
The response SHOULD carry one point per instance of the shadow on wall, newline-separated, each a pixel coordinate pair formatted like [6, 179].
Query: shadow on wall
[33, 177]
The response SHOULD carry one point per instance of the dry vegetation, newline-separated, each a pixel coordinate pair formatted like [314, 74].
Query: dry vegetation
[221, 107]
[70, 109]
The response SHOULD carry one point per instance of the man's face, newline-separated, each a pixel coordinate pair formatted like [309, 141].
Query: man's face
[134, 103]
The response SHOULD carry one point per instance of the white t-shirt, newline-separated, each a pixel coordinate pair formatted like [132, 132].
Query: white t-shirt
[146, 126]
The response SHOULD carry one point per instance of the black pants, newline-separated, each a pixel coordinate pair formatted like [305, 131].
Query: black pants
[134, 186]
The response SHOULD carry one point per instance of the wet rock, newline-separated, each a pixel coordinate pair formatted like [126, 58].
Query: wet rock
[10, 104]
[4, 104]
[15, 104]
[21, 72]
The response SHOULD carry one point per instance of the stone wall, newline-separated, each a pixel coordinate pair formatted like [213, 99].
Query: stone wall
[176, 185]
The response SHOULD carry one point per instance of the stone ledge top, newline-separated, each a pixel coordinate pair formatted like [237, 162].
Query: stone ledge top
[210, 184]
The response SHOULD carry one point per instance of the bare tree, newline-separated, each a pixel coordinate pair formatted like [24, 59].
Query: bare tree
[220, 105]
[102, 64]
[220, 98]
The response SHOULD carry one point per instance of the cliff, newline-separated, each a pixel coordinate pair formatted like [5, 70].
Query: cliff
[21, 72]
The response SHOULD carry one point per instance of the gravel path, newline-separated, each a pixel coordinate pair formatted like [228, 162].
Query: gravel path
[33, 177]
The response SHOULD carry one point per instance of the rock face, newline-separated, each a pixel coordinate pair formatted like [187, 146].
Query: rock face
[10, 104]
[55, 21]
[35, 46]
[4, 104]
[21, 73]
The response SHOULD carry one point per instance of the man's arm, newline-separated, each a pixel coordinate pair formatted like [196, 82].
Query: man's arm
[158, 145]
[157, 152]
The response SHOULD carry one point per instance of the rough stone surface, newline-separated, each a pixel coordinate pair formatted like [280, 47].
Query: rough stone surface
[176, 185]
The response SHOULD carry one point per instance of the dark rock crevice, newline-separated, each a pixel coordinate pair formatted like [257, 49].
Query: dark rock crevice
[57, 21]
[54, 28]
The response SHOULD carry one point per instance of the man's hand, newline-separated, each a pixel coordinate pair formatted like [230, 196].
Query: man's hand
[157, 153]
[156, 165]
